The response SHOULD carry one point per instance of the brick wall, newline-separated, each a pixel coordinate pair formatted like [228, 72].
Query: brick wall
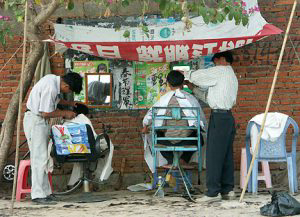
[254, 65]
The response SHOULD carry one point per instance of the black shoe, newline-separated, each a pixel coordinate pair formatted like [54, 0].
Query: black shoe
[43, 201]
[52, 197]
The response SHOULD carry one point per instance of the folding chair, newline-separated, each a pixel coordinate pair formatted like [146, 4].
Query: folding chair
[176, 113]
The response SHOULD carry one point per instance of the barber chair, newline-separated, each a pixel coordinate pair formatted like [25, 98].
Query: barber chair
[176, 113]
[76, 143]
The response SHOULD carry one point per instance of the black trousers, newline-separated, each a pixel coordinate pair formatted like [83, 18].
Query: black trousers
[219, 154]
[186, 155]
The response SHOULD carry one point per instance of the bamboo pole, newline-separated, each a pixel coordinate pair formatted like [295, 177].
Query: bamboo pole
[269, 100]
[20, 110]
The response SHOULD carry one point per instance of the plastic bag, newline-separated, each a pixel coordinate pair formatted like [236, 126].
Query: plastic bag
[282, 204]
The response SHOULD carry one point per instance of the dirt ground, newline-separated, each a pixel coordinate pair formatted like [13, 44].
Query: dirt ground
[125, 203]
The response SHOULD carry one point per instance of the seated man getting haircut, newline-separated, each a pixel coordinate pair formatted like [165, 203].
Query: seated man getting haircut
[176, 98]
[103, 167]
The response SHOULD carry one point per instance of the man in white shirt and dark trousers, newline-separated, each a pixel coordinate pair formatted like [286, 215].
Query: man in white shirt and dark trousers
[222, 85]
[41, 106]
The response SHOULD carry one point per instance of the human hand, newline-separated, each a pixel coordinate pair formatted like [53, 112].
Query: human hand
[189, 84]
[69, 114]
[75, 103]
[145, 129]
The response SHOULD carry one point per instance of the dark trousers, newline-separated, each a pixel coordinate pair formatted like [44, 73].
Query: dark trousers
[186, 155]
[219, 154]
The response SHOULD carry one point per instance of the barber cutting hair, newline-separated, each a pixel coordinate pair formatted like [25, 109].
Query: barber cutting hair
[221, 87]
[42, 105]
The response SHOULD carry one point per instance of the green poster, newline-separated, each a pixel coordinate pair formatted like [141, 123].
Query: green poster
[149, 83]
[82, 67]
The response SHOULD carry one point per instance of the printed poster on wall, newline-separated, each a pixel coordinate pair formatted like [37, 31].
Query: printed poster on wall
[82, 67]
[149, 83]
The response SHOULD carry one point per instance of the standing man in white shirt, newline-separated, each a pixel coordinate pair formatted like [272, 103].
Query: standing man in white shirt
[41, 106]
[222, 86]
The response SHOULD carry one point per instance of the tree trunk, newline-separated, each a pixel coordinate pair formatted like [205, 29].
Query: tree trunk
[9, 124]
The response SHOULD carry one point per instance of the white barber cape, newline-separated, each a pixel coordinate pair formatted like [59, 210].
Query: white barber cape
[185, 100]
[274, 126]
[104, 168]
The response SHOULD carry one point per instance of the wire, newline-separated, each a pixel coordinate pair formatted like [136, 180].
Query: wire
[294, 49]
[11, 57]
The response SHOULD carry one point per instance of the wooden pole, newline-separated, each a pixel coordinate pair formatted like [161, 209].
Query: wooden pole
[20, 110]
[269, 100]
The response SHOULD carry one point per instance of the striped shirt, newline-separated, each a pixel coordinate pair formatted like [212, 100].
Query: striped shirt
[176, 133]
[222, 85]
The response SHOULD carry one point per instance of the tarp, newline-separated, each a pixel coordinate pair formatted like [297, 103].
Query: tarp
[167, 41]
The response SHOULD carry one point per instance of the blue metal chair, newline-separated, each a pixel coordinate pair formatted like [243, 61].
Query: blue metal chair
[176, 114]
[274, 152]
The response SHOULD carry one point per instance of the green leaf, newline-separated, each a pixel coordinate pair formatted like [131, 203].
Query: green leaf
[245, 20]
[220, 17]
[202, 11]
[162, 5]
[226, 10]
[211, 11]
[19, 18]
[206, 19]
[71, 5]
[230, 16]
[38, 2]
[214, 21]
[125, 3]
[236, 15]
[145, 29]
[221, 4]
[126, 34]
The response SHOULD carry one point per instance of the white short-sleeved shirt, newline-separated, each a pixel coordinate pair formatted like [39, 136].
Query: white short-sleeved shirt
[44, 95]
[222, 85]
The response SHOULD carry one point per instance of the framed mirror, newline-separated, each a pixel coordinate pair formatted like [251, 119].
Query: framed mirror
[98, 90]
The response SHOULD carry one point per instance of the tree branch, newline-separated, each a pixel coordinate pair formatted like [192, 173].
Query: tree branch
[46, 13]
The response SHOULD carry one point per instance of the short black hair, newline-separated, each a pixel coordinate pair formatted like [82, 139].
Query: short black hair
[74, 80]
[102, 67]
[175, 78]
[81, 109]
[226, 54]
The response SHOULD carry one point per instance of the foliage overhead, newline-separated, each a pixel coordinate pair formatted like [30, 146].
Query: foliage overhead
[212, 11]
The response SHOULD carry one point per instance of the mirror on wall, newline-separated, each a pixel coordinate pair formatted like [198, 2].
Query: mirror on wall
[98, 89]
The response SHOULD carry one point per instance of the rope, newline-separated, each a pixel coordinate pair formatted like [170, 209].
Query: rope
[294, 49]
[11, 57]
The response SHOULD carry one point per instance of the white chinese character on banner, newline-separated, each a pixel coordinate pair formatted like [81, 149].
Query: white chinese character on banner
[210, 47]
[85, 48]
[176, 53]
[182, 52]
[108, 51]
[197, 50]
[226, 46]
[170, 53]
[149, 54]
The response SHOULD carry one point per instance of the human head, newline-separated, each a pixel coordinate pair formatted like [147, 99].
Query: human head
[102, 67]
[81, 109]
[175, 78]
[71, 82]
[223, 58]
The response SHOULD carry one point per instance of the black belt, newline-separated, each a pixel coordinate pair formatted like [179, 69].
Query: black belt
[221, 111]
[27, 110]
